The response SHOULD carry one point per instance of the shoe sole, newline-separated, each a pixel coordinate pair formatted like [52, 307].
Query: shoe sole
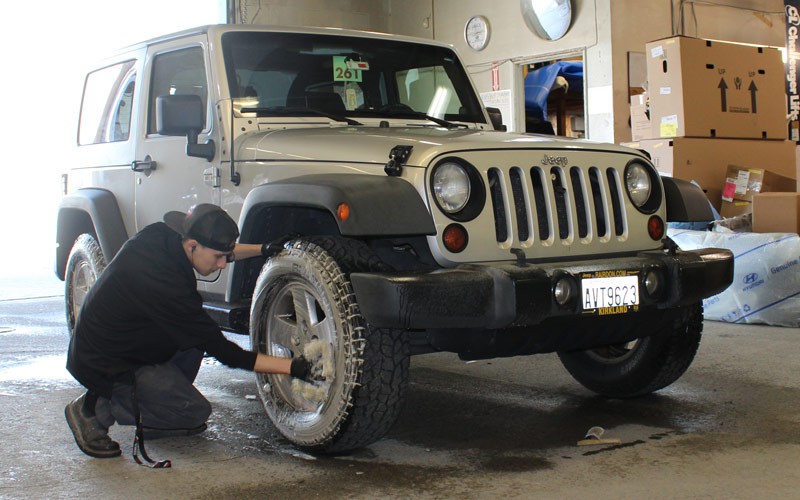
[72, 422]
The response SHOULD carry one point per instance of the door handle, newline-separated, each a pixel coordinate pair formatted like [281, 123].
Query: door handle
[147, 165]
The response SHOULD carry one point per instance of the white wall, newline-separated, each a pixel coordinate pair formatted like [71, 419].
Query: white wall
[370, 15]
[511, 42]
[47, 46]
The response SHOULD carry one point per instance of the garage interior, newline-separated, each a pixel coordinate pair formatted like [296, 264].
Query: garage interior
[729, 428]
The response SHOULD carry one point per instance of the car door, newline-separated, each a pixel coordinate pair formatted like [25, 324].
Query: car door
[166, 178]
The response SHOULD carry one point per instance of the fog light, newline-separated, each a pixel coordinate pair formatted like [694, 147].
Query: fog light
[653, 282]
[455, 238]
[564, 291]
[655, 227]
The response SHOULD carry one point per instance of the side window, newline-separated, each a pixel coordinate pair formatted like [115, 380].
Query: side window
[180, 72]
[107, 105]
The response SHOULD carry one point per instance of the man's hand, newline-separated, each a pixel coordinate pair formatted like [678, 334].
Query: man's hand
[272, 248]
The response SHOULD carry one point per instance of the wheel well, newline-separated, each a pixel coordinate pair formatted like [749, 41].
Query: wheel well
[71, 224]
[265, 223]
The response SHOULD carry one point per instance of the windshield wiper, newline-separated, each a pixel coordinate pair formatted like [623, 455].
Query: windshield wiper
[405, 110]
[439, 121]
[283, 110]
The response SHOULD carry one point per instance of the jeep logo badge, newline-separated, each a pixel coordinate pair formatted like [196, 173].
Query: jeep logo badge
[554, 160]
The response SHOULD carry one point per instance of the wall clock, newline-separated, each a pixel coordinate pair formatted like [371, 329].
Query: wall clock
[476, 32]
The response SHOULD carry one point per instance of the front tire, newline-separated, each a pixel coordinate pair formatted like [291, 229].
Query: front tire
[85, 264]
[304, 295]
[644, 365]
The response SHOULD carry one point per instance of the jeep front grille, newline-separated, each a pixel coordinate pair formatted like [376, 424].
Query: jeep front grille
[540, 204]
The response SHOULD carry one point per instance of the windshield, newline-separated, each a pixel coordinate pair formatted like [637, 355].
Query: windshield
[283, 74]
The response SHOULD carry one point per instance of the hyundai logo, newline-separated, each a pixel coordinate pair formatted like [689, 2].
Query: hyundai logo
[750, 278]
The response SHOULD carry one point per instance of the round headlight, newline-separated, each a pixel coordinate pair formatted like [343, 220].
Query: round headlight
[638, 183]
[451, 187]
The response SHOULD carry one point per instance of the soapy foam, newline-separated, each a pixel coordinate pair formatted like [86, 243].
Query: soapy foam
[320, 355]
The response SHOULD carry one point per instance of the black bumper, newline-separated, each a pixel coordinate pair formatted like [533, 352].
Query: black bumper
[510, 295]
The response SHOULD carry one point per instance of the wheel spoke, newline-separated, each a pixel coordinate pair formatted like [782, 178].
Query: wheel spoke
[303, 307]
[282, 330]
[83, 280]
[324, 330]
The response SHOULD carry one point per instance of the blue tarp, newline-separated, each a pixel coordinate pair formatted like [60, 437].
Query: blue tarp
[539, 82]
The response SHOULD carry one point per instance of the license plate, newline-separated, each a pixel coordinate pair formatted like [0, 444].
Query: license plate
[610, 292]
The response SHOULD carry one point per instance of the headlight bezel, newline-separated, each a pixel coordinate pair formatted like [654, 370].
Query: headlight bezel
[654, 199]
[476, 198]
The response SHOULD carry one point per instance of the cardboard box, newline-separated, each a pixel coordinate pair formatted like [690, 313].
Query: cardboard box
[706, 161]
[741, 183]
[776, 213]
[700, 88]
[640, 118]
[735, 208]
[797, 163]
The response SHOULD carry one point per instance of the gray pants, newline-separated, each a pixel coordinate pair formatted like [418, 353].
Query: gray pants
[165, 394]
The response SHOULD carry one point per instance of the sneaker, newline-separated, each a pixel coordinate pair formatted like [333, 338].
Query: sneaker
[90, 435]
[155, 433]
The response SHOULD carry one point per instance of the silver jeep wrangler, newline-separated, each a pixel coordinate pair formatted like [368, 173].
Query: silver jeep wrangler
[414, 225]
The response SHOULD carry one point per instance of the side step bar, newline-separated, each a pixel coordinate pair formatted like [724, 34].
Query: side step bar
[231, 317]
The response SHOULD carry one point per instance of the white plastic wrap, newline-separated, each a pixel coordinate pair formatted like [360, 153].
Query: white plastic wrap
[766, 278]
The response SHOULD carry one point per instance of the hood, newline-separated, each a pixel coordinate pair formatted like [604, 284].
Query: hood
[372, 144]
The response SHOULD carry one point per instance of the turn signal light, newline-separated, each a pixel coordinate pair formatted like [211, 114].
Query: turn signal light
[343, 211]
[455, 238]
[655, 227]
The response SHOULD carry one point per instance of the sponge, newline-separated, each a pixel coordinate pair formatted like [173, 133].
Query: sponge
[320, 354]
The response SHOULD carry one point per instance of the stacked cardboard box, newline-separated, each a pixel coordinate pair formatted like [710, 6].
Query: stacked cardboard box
[743, 183]
[640, 117]
[776, 213]
[706, 161]
[700, 88]
[712, 105]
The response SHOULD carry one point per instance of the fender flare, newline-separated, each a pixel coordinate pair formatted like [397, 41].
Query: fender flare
[686, 202]
[100, 206]
[379, 205]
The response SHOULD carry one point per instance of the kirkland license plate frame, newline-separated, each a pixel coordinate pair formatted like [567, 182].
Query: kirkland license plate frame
[610, 292]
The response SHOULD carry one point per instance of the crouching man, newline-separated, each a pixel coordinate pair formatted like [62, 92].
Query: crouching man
[142, 333]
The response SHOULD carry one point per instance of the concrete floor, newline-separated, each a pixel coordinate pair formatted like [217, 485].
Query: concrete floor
[730, 428]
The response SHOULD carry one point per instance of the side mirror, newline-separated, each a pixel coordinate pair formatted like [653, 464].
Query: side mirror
[184, 115]
[497, 119]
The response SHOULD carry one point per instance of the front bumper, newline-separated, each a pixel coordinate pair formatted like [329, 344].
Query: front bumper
[511, 295]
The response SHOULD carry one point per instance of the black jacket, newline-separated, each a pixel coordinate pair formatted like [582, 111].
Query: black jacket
[144, 308]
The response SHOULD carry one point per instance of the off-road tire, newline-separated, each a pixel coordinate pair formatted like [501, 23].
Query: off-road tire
[85, 264]
[644, 365]
[370, 364]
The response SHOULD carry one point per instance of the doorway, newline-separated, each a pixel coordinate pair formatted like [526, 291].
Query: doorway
[554, 96]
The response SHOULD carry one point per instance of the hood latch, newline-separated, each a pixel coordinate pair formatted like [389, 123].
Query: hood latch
[397, 156]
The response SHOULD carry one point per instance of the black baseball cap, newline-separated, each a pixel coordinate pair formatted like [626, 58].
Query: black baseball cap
[211, 226]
